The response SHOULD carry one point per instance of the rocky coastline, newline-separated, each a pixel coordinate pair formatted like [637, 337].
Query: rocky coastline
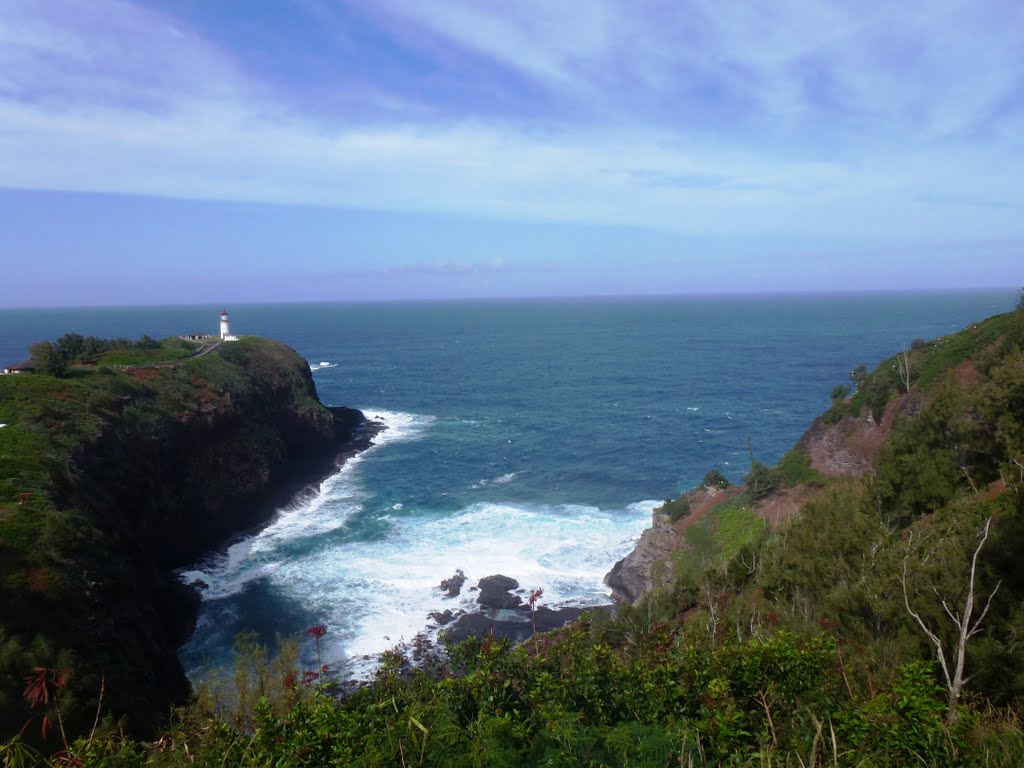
[505, 609]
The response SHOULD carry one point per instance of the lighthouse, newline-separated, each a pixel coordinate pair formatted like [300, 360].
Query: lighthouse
[225, 327]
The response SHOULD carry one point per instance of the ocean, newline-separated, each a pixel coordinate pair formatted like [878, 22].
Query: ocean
[531, 438]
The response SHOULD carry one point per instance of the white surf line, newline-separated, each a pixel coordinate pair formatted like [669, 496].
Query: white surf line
[381, 593]
[338, 498]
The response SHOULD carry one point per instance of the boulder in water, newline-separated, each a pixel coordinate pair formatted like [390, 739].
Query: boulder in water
[494, 592]
[453, 586]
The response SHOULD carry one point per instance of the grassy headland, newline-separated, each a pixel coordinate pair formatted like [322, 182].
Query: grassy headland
[118, 471]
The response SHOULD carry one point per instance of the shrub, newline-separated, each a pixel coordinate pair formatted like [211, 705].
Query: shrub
[841, 391]
[858, 376]
[676, 509]
[715, 479]
[762, 480]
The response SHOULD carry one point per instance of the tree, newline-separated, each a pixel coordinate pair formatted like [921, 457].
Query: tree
[1020, 300]
[903, 366]
[858, 376]
[762, 480]
[840, 392]
[50, 359]
[962, 618]
[715, 479]
[72, 345]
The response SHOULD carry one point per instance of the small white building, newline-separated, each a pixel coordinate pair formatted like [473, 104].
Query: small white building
[25, 366]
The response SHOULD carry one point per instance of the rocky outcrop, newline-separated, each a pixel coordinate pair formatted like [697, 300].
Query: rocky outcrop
[850, 445]
[520, 626]
[638, 573]
[847, 446]
[648, 566]
[452, 587]
[496, 592]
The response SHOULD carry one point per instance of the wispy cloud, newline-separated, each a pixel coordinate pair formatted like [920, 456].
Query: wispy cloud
[699, 118]
[446, 268]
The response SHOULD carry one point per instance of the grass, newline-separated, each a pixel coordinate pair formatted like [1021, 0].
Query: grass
[734, 524]
[169, 349]
[795, 469]
[719, 535]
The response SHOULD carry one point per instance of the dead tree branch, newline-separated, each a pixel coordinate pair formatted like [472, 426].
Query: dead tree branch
[967, 627]
[903, 366]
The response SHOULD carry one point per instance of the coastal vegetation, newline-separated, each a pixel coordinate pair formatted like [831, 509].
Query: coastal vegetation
[859, 603]
[72, 351]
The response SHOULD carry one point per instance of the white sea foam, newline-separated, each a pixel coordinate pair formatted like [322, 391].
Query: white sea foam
[321, 365]
[499, 480]
[373, 594]
[337, 499]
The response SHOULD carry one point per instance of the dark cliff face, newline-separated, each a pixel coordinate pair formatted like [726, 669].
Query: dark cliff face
[186, 459]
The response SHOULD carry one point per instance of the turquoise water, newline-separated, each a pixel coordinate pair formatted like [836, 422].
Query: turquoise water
[526, 437]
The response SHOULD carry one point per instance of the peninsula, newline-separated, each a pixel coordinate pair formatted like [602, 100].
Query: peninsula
[136, 459]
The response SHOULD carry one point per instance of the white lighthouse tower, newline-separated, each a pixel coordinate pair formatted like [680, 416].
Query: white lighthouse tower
[225, 327]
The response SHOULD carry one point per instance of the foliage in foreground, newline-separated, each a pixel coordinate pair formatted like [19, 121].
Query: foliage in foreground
[581, 700]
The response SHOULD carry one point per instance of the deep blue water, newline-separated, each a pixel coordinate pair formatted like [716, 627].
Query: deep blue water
[527, 437]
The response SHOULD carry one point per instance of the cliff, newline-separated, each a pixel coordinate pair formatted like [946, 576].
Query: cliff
[954, 430]
[111, 479]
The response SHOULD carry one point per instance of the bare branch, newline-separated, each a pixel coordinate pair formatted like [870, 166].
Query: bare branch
[955, 619]
[970, 480]
[931, 635]
[903, 366]
[961, 620]
[988, 604]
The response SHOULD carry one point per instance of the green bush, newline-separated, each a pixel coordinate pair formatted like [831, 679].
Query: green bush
[676, 509]
[762, 480]
[715, 479]
[841, 392]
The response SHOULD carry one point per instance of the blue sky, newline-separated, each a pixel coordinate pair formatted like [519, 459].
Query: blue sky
[181, 151]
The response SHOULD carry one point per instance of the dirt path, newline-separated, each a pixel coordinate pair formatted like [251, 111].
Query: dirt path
[205, 350]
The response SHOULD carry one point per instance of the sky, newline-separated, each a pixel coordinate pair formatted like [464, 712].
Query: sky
[190, 151]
